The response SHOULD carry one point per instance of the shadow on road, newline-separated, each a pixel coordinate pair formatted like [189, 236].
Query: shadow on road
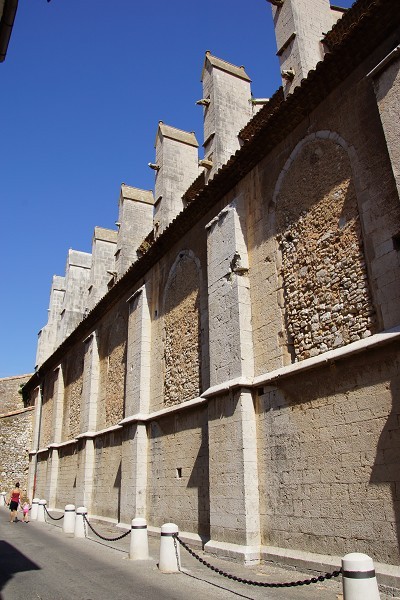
[12, 561]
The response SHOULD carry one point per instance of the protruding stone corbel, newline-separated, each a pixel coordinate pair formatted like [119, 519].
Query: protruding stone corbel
[205, 163]
[276, 2]
[204, 101]
[288, 74]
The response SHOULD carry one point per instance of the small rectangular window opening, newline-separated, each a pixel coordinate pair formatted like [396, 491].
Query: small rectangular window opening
[396, 242]
[179, 473]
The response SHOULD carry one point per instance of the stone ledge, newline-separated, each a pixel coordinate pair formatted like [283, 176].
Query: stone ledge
[375, 341]
[386, 575]
[249, 555]
[16, 412]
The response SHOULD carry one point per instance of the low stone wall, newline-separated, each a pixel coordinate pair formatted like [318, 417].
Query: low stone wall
[15, 433]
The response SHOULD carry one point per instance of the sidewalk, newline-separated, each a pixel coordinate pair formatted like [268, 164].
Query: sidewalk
[265, 572]
[191, 567]
[200, 575]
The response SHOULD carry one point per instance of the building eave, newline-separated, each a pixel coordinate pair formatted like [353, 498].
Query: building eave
[6, 26]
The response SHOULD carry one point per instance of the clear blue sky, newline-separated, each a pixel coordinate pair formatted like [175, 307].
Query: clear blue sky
[83, 87]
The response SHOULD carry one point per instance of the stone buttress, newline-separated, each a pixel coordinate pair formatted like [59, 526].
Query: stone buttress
[227, 109]
[47, 336]
[300, 26]
[176, 168]
[135, 221]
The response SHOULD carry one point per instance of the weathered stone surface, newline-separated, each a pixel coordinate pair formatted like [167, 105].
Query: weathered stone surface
[182, 333]
[112, 352]
[15, 434]
[73, 383]
[290, 279]
[325, 283]
[178, 484]
[329, 472]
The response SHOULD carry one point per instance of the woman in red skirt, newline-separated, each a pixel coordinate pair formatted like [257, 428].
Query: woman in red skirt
[14, 502]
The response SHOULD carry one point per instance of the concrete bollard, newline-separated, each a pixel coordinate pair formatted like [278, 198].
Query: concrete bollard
[3, 498]
[41, 516]
[358, 576]
[34, 509]
[69, 519]
[139, 548]
[80, 531]
[169, 552]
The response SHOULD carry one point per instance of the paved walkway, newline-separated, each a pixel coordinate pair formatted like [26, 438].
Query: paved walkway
[194, 581]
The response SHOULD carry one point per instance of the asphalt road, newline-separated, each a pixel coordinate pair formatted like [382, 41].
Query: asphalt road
[39, 562]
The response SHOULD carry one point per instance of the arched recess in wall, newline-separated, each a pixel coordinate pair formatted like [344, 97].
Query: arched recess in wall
[327, 301]
[73, 385]
[182, 330]
[115, 368]
[48, 392]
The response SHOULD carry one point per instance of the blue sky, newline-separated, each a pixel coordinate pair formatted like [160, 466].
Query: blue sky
[83, 87]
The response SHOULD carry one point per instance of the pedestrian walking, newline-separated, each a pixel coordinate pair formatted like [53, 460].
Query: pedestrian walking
[15, 496]
[25, 511]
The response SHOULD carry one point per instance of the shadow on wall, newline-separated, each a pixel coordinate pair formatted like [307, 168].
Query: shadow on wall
[351, 409]
[173, 441]
[12, 562]
[199, 479]
[117, 485]
[386, 468]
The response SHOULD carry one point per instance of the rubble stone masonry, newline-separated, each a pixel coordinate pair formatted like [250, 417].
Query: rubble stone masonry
[73, 380]
[326, 294]
[182, 333]
[15, 433]
[112, 352]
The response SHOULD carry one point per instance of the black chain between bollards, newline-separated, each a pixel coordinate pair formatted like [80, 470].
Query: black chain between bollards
[248, 581]
[101, 536]
[53, 518]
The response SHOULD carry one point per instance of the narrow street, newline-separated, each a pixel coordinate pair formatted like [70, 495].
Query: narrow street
[40, 562]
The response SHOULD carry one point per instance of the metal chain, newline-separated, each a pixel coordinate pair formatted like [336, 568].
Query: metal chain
[176, 552]
[105, 538]
[257, 583]
[54, 518]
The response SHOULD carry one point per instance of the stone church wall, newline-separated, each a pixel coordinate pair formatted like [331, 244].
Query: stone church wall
[178, 483]
[179, 323]
[112, 351]
[67, 475]
[73, 384]
[182, 328]
[47, 423]
[263, 409]
[310, 210]
[41, 474]
[107, 475]
[329, 469]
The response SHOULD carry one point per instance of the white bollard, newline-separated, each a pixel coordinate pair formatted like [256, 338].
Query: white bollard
[139, 548]
[358, 576]
[80, 531]
[41, 516]
[34, 509]
[169, 550]
[69, 519]
[3, 498]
